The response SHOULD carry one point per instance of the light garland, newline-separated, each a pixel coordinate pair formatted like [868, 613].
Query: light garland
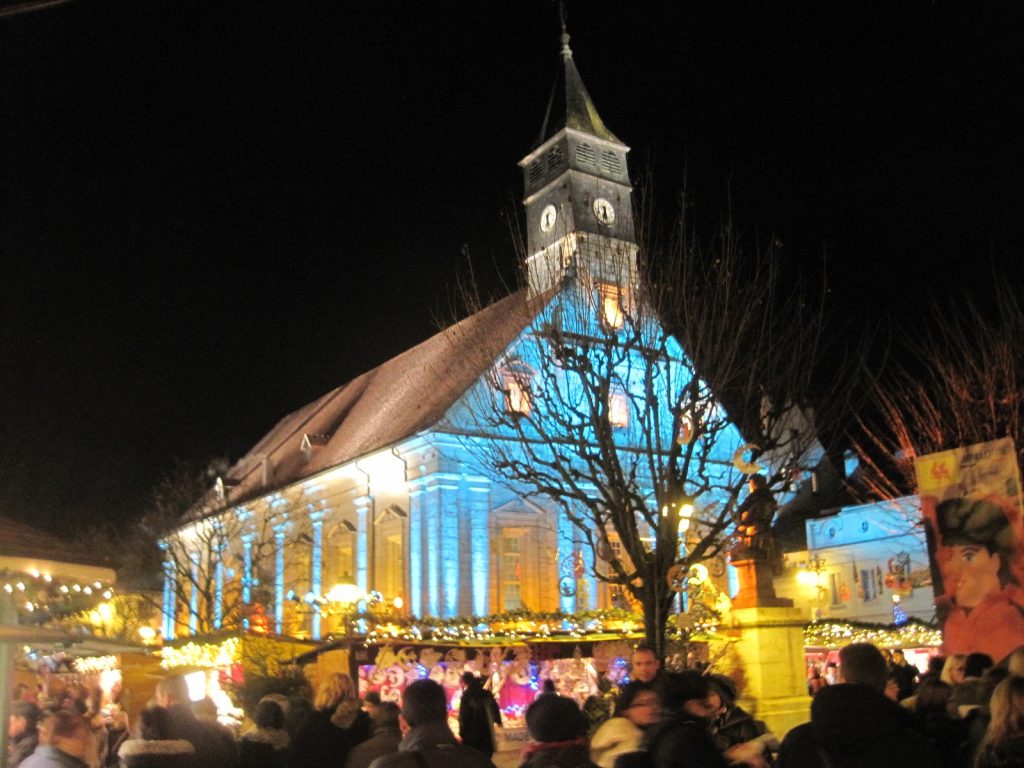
[46, 596]
[202, 655]
[837, 634]
[88, 665]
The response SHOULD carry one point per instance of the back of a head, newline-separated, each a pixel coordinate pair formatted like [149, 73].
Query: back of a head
[155, 723]
[677, 688]
[976, 664]
[332, 690]
[863, 664]
[29, 711]
[173, 689]
[553, 718]
[1016, 662]
[65, 725]
[268, 714]
[385, 716]
[932, 697]
[424, 702]
[953, 667]
[1007, 709]
[472, 681]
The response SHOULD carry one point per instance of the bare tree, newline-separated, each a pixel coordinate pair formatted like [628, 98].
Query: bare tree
[960, 381]
[641, 405]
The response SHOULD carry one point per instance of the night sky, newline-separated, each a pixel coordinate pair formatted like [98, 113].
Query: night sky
[213, 212]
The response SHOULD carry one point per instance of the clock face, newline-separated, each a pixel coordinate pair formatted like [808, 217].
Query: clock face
[604, 211]
[547, 218]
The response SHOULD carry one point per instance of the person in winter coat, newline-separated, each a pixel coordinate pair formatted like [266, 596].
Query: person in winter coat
[733, 727]
[680, 739]
[854, 725]
[156, 746]
[22, 732]
[636, 710]
[1003, 746]
[65, 739]
[478, 714]
[428, 741]
[215, 748]
[385, 738]
[932, 718]
[559, 732]
[265, 746]
[335, 725]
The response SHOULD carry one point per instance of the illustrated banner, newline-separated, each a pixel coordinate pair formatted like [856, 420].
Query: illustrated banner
[971, 501]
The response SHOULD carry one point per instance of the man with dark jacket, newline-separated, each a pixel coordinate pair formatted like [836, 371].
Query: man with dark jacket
[854, 725]
[478, 714]
[429, 742]
[215, 747]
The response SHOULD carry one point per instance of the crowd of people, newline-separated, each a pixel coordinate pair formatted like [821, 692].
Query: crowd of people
[963, 712]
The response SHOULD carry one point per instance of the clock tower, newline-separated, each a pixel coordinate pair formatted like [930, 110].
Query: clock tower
[579, 212]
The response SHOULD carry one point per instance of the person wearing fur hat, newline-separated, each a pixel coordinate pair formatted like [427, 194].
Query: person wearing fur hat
[983, 603]
[559, 732]
[156, 746]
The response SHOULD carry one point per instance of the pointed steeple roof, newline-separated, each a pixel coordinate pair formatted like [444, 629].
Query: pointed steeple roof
[570, 105]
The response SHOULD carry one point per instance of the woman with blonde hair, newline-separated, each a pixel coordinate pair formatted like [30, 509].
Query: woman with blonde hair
[1003, 745]
[953, 669]
[335, 725]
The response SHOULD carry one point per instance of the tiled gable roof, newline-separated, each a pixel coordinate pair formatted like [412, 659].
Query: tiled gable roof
[395, 400]
[20, 540]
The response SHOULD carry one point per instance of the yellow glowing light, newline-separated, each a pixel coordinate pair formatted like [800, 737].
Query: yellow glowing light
[398, 602]
[208, 655]
[148, 634]
[95, 664]
[343, 593]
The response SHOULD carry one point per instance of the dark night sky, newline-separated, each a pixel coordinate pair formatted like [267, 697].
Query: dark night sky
[214, 212]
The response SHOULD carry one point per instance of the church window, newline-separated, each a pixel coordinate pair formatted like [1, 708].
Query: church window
[510, 564]
[610, 163]
[586, 155]
[615, 303]
[517, 394]
[618, 409]
[536, 173]
[393, 560]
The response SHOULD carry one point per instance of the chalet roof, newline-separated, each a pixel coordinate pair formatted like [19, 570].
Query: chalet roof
[395, 400]
[570, 106]
[20, 540]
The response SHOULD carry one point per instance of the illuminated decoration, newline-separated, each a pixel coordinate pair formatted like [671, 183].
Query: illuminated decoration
[686, 431]
[90, 664]
[740, 462]
[202, 655]
[913, 634]
[43, 597]
[899, 614]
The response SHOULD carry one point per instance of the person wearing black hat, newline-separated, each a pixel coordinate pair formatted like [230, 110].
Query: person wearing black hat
[983, 602]
[681, 738]
[559, 732]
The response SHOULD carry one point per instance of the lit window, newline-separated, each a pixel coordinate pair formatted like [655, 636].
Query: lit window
[517, 396]
[615, 303]
[618, 409]
[510, 574]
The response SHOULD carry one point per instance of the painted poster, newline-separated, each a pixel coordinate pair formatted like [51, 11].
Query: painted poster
[971, 502]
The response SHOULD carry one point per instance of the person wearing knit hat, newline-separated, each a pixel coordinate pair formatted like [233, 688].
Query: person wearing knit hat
[558, 729]
[983, 602]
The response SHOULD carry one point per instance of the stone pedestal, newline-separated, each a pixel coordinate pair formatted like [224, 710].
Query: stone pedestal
[770, 641]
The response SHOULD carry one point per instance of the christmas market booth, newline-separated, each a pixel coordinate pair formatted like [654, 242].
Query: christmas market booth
[822, 640]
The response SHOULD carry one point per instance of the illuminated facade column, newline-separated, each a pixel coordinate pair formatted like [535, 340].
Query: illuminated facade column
[432, 545]
[170, 597]
[452, 534]
[590, 601]
[479, 548]
[566, 553]
[218, 590]
[363, 506]
[279, 538]
[246, 574]
[193, 598]
[316, 576]
[415, 563]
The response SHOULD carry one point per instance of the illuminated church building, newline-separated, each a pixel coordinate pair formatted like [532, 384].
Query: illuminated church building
[377, 481]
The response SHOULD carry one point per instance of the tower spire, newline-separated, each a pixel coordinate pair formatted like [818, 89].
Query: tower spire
[566, 50]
